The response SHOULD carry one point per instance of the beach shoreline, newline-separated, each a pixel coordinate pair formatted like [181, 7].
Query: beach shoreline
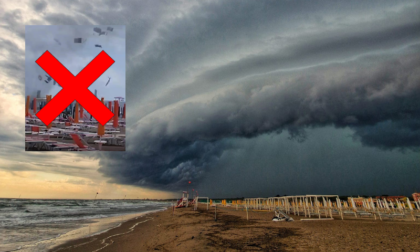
[86, 228]
[189, 230]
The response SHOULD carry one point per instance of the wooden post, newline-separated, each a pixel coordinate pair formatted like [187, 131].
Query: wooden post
[101, 128]
[246, 212]
[116, 114]
[76, 113]
[215, 212]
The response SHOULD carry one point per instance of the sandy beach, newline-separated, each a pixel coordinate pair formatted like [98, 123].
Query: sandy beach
[189, 230]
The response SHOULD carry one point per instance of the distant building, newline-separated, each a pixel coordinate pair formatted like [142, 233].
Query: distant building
[392, 198]
[359, 200]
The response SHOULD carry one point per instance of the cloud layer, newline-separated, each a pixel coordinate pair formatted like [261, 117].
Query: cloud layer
[377, 98]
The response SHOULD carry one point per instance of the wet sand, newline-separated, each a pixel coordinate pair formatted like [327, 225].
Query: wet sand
[189, 230]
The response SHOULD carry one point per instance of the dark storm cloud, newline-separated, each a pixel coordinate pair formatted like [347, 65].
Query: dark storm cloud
[183, 44]
[186, 139]
[328, 162]
[391, 134]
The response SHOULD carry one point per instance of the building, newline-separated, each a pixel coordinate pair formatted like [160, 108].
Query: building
[392, 198]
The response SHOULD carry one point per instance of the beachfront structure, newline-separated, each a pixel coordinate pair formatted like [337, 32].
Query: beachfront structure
[325, 207]
[88, 131]
[183, 202]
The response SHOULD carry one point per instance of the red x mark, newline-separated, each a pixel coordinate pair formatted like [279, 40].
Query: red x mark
[75, 87]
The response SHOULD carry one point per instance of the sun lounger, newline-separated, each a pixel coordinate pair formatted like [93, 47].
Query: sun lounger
[363, 213]
[349, 212]
[399, 215]
[385, 215]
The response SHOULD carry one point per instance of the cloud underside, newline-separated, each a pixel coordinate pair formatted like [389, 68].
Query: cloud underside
[377, 99]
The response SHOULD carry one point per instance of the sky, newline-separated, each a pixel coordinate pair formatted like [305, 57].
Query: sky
[242, 98]
[59, 41]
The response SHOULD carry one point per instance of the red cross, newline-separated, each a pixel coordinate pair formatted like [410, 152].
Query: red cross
[75, 87]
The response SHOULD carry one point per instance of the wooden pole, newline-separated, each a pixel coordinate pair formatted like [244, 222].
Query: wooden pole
[115, 124]
[76, 113]
[247, 212]
[101, 128]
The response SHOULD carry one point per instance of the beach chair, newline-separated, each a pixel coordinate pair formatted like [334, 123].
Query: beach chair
[385, 215]
[78, 141]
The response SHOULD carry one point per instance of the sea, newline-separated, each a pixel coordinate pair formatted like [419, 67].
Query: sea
[40, 224]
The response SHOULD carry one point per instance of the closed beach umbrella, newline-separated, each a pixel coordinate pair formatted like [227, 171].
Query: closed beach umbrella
[353, 204]
[409, 204]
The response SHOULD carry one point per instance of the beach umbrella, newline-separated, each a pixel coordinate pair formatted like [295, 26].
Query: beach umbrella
[409, 204]
[385, 204]
[399, 205]
[353, 204]
[372, 205]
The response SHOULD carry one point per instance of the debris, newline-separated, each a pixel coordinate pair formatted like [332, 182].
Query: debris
[97, 29]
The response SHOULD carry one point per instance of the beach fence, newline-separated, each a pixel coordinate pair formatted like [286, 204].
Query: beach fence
[319, 207]
[233, 207]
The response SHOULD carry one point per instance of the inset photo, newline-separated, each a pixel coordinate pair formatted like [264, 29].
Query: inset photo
[53, 54]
